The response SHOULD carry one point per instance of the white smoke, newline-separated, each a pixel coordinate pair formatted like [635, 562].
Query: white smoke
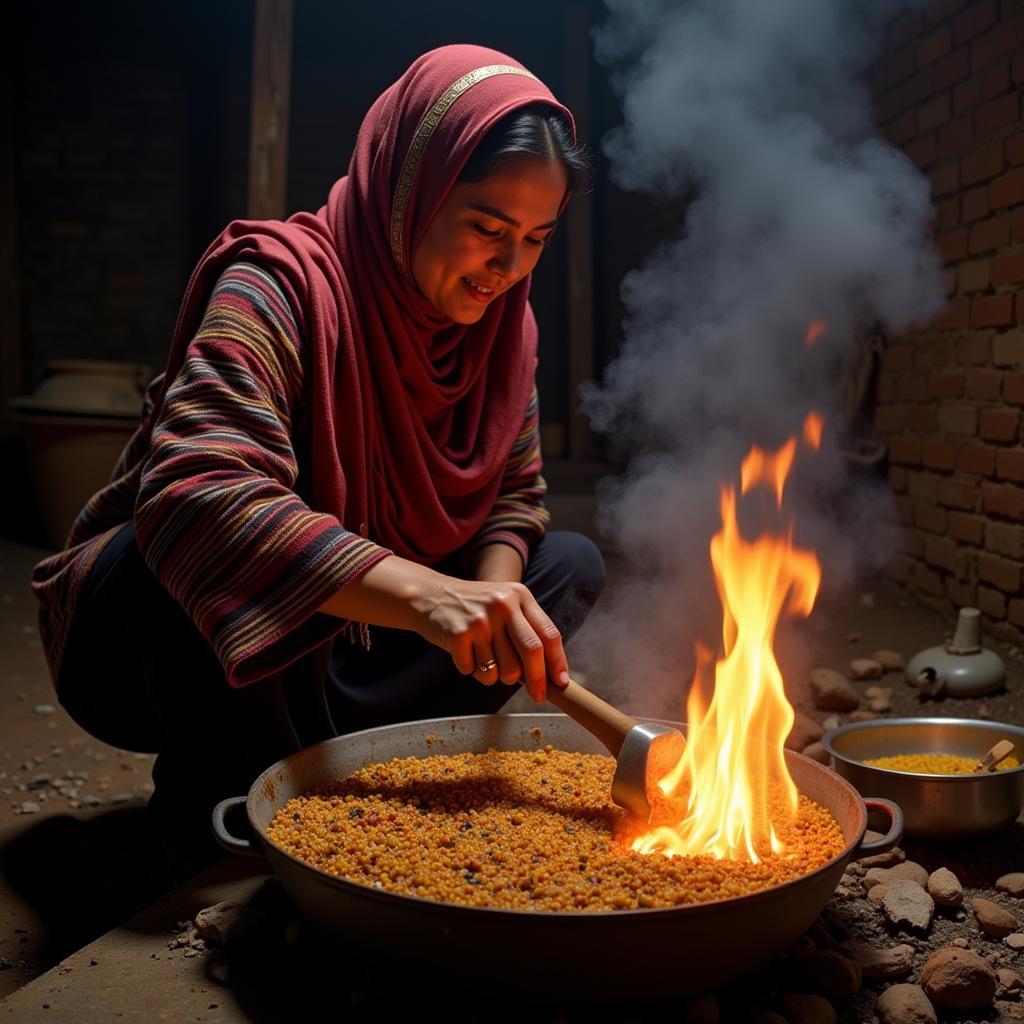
[801, 212]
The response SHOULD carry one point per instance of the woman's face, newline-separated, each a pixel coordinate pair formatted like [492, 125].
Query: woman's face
[488, 235]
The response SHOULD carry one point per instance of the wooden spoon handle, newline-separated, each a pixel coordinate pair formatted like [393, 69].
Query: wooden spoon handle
[999, 752]
[607, 723]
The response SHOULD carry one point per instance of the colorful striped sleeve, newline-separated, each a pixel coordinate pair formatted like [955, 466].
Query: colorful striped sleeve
[518, 517]
[216, 517]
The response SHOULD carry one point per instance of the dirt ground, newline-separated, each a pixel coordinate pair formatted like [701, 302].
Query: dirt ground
[77, 857]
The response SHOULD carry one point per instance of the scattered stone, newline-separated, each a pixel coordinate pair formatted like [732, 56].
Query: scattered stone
[909, 871]
[808, 1009]
[879, 698]
[865, 668]
[1009, 1011]
[1012, 884]
[907, 905]
[701, 1010]
[43, 709]
[1009, 984]
[832, 974]
[28, 807]
[993, 919]
[805, 730]
[905, 1004]
[818, 753]
[38, 781]
[891, 661]
[832, 721]
[960, 942]
[854, 637]
[831, 692]
[880, 860]
[863, 715]
[876, 894]
[1015, 941]
[893, 962]
[228, 923]
[957, 979]
[945, 888]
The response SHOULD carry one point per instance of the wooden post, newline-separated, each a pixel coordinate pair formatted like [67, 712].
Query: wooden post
[580, 235]
[271, 82]
[11, 365]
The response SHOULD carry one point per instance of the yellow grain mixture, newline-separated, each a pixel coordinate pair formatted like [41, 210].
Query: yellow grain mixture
[518, 830]
[936, 764]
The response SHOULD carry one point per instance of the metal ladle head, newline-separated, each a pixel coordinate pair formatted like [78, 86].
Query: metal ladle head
[649, 752]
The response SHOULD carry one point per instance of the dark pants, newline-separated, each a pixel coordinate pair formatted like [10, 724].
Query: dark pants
[138, 674]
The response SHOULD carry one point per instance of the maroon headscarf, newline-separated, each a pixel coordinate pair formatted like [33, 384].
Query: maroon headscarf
[412, 415]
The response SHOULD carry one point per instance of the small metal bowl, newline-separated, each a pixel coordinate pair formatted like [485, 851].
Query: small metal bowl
[937, 806]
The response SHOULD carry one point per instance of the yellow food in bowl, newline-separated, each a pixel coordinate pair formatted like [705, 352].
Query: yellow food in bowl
[520, 830]
[936, 764]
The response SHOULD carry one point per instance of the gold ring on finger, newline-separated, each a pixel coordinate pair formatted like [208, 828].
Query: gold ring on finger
[487, 666]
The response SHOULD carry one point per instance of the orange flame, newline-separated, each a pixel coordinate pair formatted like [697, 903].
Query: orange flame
[734, 750]
[816, 329]
[813, 427]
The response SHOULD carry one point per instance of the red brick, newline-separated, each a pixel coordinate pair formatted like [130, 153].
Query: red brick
[889, 419]
[949, 281]
[1008, 349]
[947, 217]
[897, 477]
[900, 65]
[975, 19]
[1007, 190]
[886, 388]
[999, 425]
[906, 450]
[923, 486]
[1004, 539]
[967, 95]
[974, 204]
[995, 79]
[991, 603]
[949, 384]
[1020, 307]
[983, 385]
[953, 246]
[874, 79]
[1017, 70]
[912, 387]
[962, 593]
[923, 151]
[1003, 500]
[957, 493]
[969, 529]
[1018, 226]
[989, 234]
[1015, 150]
[996, 115]
[898, 569]
[913, 541]
[951, 69]
[945, 179]
[900, 131]
[904, 28]
[983, 52]
[1008, 269]
[923, 418]
[1010, 464]
[973, 275]
[934, 45]
[961, 420]
[976, 458]
[937, 453]
[983, 164]
[938, 352]
[1008, 36]
[955, 138]
[916, 89]
[992, 311]
[926, 580]
[899, 357]
[955, 317]
[1013, 388]
[940, 10]
[941, 552]
[1016, 612]
[973, 350]
[1001, 572]
[935, 112]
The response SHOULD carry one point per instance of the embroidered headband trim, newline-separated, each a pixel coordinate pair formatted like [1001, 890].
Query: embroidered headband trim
[419, 144]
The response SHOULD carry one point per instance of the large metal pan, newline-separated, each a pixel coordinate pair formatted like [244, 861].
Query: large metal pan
[657, 952]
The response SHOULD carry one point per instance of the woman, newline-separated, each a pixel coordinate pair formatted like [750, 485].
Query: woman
[344, 440]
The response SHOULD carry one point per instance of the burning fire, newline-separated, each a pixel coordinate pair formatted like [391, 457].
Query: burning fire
[734, 752]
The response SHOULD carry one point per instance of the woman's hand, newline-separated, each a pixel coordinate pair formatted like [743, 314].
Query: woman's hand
[493, 631]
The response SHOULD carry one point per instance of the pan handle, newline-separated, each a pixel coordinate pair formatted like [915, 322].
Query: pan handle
[220, 830]
[892, 837]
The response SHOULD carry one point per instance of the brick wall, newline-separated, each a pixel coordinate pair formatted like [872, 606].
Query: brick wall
[950, 398]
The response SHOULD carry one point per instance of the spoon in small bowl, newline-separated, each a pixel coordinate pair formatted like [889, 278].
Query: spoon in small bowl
[999, 752]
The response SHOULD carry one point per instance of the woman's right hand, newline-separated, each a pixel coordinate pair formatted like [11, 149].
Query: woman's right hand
[480, 622]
